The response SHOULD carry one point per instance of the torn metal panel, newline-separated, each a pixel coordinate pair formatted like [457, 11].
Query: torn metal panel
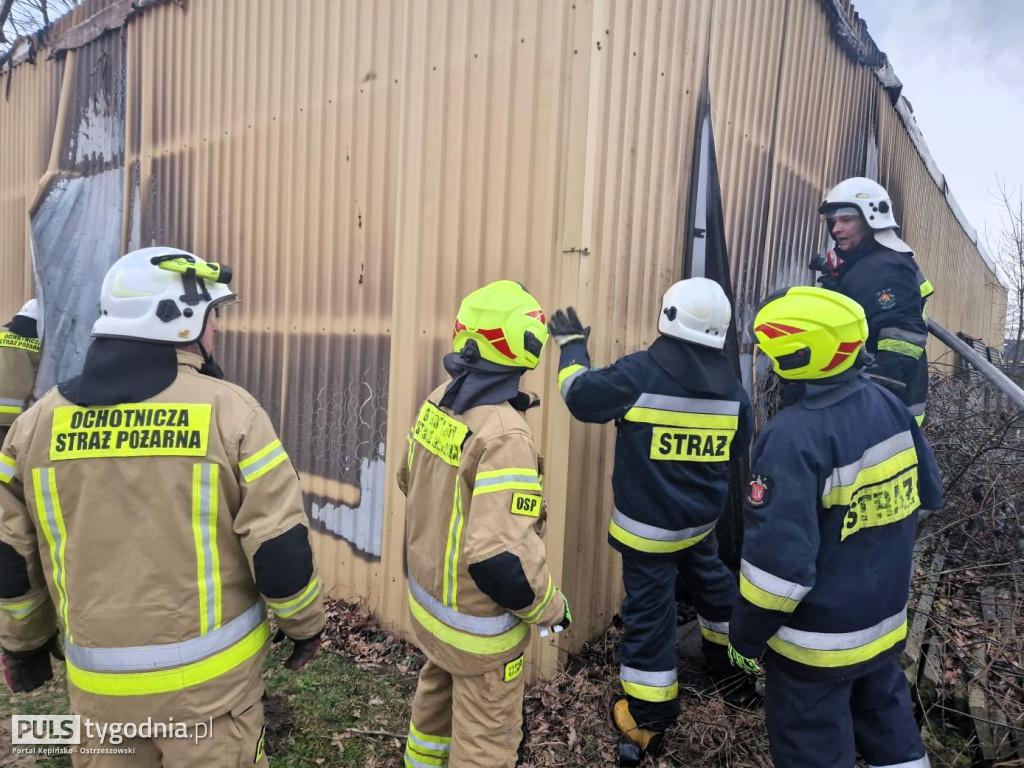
[76, 233]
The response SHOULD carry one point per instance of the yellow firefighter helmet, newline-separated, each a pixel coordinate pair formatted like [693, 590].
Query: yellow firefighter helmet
[505, 323]
[810, 333]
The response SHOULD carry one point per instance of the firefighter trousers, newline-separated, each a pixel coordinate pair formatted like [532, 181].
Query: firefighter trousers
[467, 721]
[232, 740]
[824, 723]
[647, 653]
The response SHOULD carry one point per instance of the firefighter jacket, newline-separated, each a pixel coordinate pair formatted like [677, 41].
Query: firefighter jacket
[892, 290]
[155, 533]
[675, 438]
[19, 362]
[830, 519]
[478, 575]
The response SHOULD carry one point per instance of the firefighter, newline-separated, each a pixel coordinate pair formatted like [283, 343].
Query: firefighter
[681, 413]
[19, 363]
[151, 512]
[875, 268]
[838, 478]
[475, 515]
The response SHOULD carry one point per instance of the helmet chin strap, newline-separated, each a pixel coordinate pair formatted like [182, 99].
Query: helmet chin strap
[209, 366]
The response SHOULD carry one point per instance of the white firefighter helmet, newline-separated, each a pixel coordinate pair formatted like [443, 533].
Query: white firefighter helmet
[859, 195]
[30, 309]
[696, 310]
[160, 294]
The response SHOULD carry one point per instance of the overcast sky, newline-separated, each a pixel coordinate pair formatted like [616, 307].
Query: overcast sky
[962, 67]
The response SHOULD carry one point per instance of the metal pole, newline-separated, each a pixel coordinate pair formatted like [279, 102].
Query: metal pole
[999, 380]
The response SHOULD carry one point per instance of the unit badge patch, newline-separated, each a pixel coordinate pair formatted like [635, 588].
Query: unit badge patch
[886, 298]
[760, 488]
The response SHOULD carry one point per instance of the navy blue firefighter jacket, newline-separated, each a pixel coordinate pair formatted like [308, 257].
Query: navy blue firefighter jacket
[830, 518]
[681, 413]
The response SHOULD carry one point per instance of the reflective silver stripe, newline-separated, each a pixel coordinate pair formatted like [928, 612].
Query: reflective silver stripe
[432, 746]
[688, 404]
[917, 339]
[721, 627]
[16, 403]
[533, 479]
[841, 641]
[207, 522]
[7, 467]
[876, 454]
[771, 583]
[570, 379]
[921, 762]
[478, 625]
[143, 658]
[917, 409]
[652, 679]
[653, 533]
[251, 470]
[412, 762]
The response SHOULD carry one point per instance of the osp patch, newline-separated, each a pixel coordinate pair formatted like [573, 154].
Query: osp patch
[886, 298]
[760, 489]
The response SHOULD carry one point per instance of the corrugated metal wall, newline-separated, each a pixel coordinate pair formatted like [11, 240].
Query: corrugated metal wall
[363, 165]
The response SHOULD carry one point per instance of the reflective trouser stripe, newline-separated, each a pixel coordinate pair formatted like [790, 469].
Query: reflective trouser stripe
[424, 749]
[567, 376]
[7, 467]
[471, 643]
[714, 631]
[23, 609]
[921, 762]
[167, 681]
[450, 595]
[649, 686]
[296, 604]
[840, 649]
[51, 521]
[204, 531]
[644, 537]
[421, 761]
[766, 590]
[146, 658]
[262, 461]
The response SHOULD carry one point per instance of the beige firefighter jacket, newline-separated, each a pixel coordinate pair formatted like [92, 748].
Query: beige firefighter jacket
[19, 362]
[139, 523]
[473, 483]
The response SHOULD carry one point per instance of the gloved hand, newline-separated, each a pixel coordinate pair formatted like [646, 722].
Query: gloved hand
[562, 625]
[748, 665]
[565, 327]
[25, 671]
[303, 650]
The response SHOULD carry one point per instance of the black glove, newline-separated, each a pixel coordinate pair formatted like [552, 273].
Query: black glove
[303, 651]
[25, 671]
[565, 327]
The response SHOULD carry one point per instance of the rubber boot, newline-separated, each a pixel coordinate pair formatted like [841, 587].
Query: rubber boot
[636, 741]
